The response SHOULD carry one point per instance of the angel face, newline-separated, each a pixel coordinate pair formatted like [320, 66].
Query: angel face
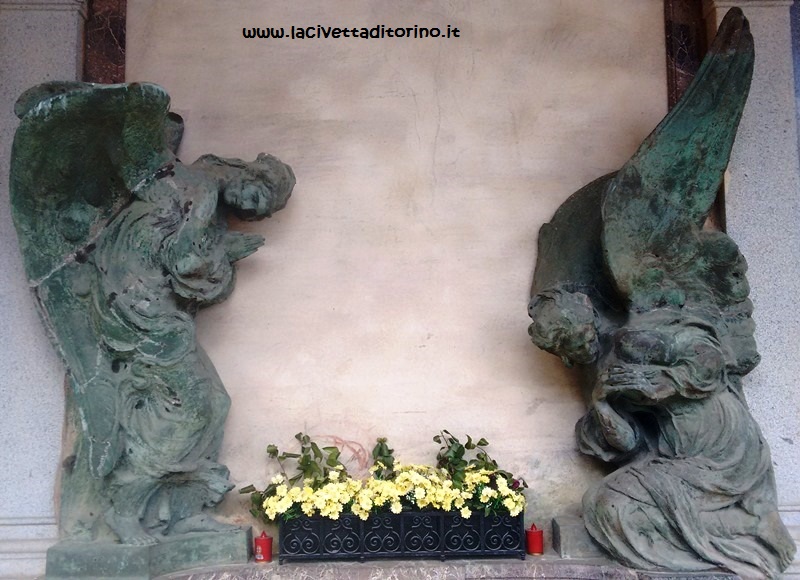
[564, 324]
[260, 188]
[723, 268]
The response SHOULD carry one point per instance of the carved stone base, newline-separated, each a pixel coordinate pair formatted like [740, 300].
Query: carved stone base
[571, 540]
[85, 560]
[548, 567]
[688, 576]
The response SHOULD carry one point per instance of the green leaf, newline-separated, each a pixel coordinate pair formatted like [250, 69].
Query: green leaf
[272, 451]
[248, 489]
[317, 452]
[482, 442]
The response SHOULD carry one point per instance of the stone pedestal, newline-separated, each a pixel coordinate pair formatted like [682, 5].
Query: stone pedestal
[571, 540]
[87, 561]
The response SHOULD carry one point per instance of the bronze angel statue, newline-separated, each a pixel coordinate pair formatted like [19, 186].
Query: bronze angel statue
[122, 244]
[653, 309]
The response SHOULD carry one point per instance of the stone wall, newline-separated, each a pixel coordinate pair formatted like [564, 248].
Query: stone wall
[391, 296]
[39, 41]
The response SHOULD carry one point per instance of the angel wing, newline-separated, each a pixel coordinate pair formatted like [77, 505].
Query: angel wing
[569, 255]
[656, 205]
[79, 154]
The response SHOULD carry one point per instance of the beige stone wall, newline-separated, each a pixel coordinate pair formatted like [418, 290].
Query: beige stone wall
[391, 296]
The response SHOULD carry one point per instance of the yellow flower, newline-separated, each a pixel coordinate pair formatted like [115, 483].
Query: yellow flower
[420, 485]
[502, 487]
[365, 503]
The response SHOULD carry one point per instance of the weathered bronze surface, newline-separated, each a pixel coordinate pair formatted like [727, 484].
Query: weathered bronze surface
[122, 244]
[654, 311]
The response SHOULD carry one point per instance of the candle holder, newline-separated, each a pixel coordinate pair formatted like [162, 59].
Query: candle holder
[263, 548]
[534, 539]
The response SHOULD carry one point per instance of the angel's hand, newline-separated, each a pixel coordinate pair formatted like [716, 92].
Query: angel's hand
[619, 376]
[239, 245]
[592, 440]
[616, 430]
[637, 384]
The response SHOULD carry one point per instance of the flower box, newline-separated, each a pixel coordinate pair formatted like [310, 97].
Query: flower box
[413, 534]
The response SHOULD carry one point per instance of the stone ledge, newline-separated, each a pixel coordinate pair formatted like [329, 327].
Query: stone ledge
[538, 567]
[87, 560]
[23, 545]
[23, 558]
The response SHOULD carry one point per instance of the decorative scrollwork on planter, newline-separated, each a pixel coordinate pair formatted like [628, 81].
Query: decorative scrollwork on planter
[420, 533]
[302, 536]
[382, 534]
[407, 535]
[462, 535]
[501, 533]
[341, 536]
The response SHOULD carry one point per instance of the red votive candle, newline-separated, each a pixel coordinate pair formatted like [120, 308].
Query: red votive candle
[534, 539]
[263, 548]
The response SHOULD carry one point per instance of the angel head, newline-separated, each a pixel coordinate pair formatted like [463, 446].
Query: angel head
[255, 189]
[565, 324]
[722, 268]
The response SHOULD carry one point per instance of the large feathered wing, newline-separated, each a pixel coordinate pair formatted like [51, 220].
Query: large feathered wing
[659, 200]
[78, 156]
[569, 255]
[78, 152]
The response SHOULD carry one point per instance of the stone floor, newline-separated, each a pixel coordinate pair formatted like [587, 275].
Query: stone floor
[548, 566]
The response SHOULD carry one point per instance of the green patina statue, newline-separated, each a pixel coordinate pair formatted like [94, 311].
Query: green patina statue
[654, 311]
[122, 244]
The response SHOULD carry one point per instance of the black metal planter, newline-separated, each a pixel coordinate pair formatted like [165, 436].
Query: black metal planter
[406, 535]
